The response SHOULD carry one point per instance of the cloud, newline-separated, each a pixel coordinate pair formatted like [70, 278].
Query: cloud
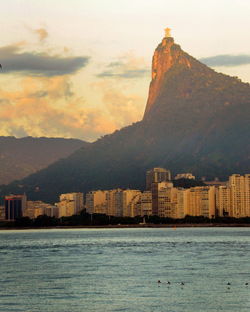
[38, 64]
[124, 74]
[42, 33]
[135, 73]
[127, 66]
[47, 106]
[123, 107]
[226, 60]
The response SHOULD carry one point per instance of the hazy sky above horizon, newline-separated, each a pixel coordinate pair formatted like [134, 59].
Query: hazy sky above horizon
[81, 68]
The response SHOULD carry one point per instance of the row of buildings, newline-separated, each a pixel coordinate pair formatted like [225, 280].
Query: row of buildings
[16, 206]
[160, 198]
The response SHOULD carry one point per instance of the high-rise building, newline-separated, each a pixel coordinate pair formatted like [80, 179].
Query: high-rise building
[14, 206]
[96, 202]
[130, 203]
[157, 175]
[146, 203]
[70, 204]
[167, 200]
[223, 201]
[160, 198]
[200, 201]
[38, 208]
[114, 203]
[181, 206]
[72, 201]
[240, 195]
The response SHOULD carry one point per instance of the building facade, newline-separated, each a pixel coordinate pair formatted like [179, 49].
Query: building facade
[240, 195]
[157, 175]
[39, 208]
[14, 206]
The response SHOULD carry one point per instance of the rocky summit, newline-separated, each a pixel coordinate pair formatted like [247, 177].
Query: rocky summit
[196, 120]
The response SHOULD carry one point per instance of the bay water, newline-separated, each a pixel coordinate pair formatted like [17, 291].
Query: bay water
[73, 270]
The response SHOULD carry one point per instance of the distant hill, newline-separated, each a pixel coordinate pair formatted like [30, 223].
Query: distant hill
[21, 157]
[196, 120]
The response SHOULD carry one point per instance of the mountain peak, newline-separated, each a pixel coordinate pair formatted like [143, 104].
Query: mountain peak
[197, 120]
[166, 55]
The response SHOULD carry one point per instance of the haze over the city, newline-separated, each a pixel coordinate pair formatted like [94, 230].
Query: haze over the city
[82, 68]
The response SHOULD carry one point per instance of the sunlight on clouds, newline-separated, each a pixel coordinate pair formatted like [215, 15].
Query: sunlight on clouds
[48, 107]
[122, 107]
[45, 93]
[41, 33]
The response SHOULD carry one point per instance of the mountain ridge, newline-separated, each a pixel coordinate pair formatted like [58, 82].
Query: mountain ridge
[196, 120]
[20, 157]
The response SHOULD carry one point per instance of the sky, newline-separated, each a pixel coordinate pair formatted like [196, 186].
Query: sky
[81, 68]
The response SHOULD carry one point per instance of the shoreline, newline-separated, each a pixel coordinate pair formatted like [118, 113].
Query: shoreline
[124, 226]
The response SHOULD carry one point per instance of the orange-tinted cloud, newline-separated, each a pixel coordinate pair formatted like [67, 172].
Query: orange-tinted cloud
[41, 100]
[41, 33]
[48, 107]
[123, 107]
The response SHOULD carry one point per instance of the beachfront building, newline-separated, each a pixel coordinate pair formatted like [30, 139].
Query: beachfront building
[223, 201]
[39, 208]
[240, 195]
[160, 198]
[146, 204]
[199, 201]
[181, 205]
[131, 203]
[114, 203]
[167, 201]
[14, 206]
[96, 202]
[70, 204]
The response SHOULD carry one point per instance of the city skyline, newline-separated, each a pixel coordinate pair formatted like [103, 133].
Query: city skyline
[161, 198]
[101, 56]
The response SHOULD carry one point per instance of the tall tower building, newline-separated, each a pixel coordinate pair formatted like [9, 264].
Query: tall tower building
[157, 175]
[14, 206]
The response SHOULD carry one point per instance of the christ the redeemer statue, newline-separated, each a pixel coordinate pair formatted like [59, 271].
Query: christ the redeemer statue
[167, 32]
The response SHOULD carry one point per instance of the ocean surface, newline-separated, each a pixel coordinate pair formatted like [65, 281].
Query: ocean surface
[118, 270]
